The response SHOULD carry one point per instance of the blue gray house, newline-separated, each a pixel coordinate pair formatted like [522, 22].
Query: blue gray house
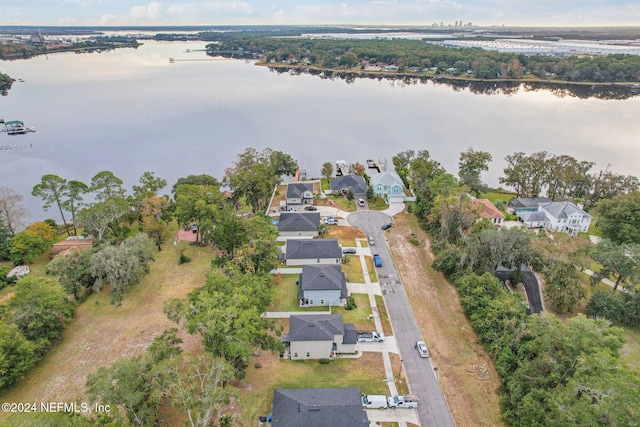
[299, 195]
[342, 184]
[322, 285]
[299, 224]
[389, 186]
[319, 336]
[318, 407]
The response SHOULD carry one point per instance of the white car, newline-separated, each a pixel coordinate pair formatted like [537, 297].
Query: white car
[361, 202]
[422, 349]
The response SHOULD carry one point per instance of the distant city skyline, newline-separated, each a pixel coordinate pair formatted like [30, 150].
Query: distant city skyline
[319, 12]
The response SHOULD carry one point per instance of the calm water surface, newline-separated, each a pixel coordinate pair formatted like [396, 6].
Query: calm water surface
[130, 111]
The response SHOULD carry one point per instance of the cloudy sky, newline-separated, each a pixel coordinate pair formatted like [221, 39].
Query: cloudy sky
[390, 12]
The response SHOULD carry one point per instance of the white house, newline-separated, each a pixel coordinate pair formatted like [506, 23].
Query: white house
[563, 217]
[319, 336]
[312, 251]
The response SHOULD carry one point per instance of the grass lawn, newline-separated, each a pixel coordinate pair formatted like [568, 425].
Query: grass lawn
[101, 333]
[353, 269]
[631, 350]
[373, 276]
[498, 196]
[281, 194]
[346, 235]
[338, 202]
[256, 390]
[286, 296]
[384, 317]
[325, 184]
[361, 316]
[377, 204]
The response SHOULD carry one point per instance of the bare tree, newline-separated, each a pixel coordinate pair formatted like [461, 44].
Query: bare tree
[11, 210]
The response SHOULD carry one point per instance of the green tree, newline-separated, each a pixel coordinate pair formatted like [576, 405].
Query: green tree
[349, 194]
[369, 193]
[74, 272]
[24, 247]
[41, 230]
[53, 191]
[526, 174]
[471, 164]
[618, 218]
[106, 185]
[443, 185]
[12, 212]
[201, 388]
[327, 170]
[226, 312]
[154, 216]
[198, 205]
[149, 186]
[5, 241]
[17, 355]
[122, 266]
[622, 261]
[204, 180]
[99, 218]
[40, 309]
[73, 193]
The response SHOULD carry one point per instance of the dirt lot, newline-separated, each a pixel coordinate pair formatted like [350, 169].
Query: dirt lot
[101, 333]
[467, 373]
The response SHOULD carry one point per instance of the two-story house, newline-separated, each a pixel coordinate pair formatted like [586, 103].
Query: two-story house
[389, 186]
[299, 195]
[342, 184]
[319, 336]
[322, 285]
[564, 217]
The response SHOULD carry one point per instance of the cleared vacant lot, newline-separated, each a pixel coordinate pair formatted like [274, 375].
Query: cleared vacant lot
[102, 333]
[466, 372]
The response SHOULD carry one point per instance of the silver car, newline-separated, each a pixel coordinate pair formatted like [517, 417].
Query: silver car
[422, 349]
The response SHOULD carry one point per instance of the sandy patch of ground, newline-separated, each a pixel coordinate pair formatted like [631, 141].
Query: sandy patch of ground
[466, 372]
[101, 333]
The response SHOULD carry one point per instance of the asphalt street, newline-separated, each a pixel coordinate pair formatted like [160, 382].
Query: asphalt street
[432, 409]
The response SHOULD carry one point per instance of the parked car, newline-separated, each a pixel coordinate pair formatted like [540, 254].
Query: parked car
[371, 241]
[310, 208]
[349, 251]
[387, 226]
[378, 401]
[361, 202]
[331, 221]
[377, 261]
[422, 349]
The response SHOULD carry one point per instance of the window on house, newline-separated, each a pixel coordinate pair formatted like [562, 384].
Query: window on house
[295, 354]
[318, 260]
[310, 302]
[308, 354]
[321, 302]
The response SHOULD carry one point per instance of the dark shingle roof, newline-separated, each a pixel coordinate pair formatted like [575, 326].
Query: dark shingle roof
[355, 182]
[318, 407]
[527, 202]
[313, 248]
[350, 335]
[297, 189]
[322, 278]
[299, 221]
[315, 327]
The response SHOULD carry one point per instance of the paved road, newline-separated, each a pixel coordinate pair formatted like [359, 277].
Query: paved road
[433, 409]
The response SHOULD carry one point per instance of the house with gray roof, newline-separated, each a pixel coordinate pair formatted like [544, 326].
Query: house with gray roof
[322, 285]
[318, 407]
[299, 195]
[342, 184]
[389, 186]
[564, 217]
[525, 204]
[312, 251]
[319, 336]
[299, 224]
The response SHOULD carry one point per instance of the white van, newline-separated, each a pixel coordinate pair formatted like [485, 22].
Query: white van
[376, 401]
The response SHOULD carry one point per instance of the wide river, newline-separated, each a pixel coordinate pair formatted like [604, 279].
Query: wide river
[131, 111]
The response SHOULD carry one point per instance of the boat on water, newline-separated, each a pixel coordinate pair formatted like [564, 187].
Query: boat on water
[16, 127]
